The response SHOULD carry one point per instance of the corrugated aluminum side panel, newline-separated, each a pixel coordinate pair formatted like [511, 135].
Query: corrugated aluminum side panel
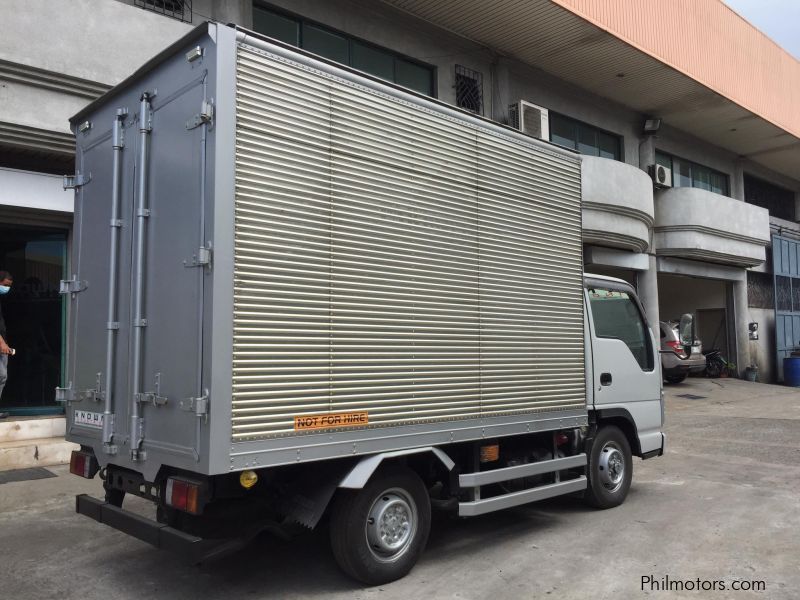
[390, 259]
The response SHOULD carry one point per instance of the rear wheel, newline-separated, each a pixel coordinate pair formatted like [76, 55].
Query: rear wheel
[610, 469]
[378, 533]
[675, 378]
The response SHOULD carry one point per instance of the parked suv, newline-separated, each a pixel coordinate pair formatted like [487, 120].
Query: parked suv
[678, 357]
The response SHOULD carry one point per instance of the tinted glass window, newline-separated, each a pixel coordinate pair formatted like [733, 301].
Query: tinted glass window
[413, 76]
[584, 138]
[563, 132]
[683, 176]
[616, 316]
[345, 49]
[276, 26]
[326, 43]
[587, 141]
[778, 201]
[371, 60]
[685, 173]
[609, 146]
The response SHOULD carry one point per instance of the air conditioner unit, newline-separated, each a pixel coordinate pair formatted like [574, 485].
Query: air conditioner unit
[662, 176]
[530, 119]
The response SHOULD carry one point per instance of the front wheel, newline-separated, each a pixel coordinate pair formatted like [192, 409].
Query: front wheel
[379, 532]
[610, 469]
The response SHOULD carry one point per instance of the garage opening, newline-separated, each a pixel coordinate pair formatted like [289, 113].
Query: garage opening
[707, 300]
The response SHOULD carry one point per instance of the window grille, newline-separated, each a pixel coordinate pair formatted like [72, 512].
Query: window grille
[177, 9]
[469, 89]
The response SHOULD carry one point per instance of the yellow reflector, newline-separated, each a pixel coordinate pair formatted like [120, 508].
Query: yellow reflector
[248, 479]
[490, 453]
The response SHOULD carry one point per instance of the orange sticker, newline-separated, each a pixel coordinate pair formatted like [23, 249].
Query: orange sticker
[330, 421]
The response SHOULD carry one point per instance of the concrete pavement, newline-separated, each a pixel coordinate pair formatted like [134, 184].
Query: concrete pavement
[722, 505]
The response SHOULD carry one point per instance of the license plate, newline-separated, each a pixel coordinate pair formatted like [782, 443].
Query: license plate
[89, 419]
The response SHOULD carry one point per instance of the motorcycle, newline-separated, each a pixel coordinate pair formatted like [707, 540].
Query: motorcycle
[715, 363]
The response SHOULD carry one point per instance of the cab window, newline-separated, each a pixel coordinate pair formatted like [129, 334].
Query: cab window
[617, 316]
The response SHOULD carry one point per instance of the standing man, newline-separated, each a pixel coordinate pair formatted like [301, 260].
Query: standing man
[6, 280]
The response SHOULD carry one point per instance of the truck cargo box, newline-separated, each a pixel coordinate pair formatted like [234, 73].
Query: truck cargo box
[279, 260]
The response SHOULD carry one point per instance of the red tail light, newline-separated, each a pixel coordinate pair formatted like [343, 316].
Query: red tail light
[83, 464]
[183, 495]
[677, 348]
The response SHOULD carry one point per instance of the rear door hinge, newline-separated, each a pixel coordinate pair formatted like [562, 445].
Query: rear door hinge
[206, 115]
[72, 286]
[65, 395]
[199, 406]
[72, 182]
[68, 395]
[201, 259]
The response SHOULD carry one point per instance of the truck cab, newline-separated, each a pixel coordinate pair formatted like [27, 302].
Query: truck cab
[623, 371]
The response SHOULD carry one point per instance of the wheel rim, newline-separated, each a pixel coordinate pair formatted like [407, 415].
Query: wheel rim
[612, 466]
[391, 525]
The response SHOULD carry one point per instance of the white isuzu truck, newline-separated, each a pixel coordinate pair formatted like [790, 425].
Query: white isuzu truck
[301, 292]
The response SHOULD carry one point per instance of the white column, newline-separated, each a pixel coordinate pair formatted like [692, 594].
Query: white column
[737, 183]
[647, 281]
[741, 322]
[647, 286]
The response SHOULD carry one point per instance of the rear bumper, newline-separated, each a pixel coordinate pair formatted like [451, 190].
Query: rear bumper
[147, 530]
[672, 364]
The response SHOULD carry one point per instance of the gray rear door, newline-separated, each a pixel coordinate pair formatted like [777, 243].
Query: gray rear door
[91, 268]
[169, 216]
[173, 282]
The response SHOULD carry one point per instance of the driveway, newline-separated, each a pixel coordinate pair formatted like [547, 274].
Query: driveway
[723, 505]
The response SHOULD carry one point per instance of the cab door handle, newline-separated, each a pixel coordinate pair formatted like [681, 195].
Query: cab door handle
[605, 378]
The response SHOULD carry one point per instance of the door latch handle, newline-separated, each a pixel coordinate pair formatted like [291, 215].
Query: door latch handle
[605, 378]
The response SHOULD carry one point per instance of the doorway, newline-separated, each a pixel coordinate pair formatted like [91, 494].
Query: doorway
[35, 317]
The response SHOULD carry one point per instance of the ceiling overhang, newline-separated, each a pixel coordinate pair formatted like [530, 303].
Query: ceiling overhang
[553, 38]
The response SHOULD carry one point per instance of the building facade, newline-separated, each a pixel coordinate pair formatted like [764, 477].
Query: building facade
[691, 141]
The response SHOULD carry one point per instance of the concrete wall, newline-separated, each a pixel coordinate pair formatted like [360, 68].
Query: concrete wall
[79, 41]
[519, 81]
[617, 204]
[694, 223]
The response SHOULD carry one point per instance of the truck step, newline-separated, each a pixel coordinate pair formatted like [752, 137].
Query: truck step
[13, 429]
[482, 506]
[21, 454]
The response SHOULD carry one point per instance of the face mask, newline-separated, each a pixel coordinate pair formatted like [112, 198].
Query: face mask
[4, 289]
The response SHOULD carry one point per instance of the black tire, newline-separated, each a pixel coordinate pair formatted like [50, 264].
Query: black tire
[676, 378]
[610, 450]
[394, 493]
